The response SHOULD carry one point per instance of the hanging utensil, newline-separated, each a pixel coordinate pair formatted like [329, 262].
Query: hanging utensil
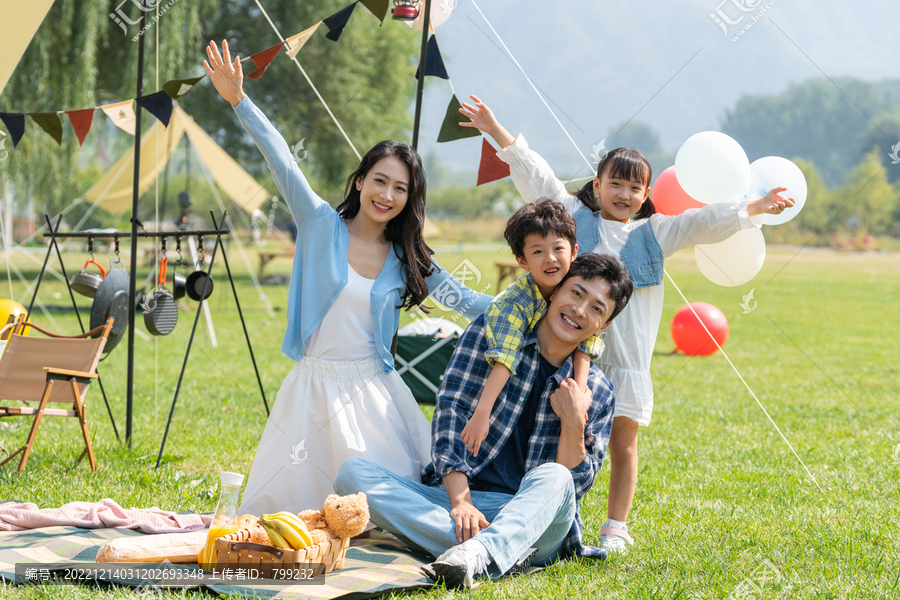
[86, 283]
[111, 300]
[199, 280]
[161, 310]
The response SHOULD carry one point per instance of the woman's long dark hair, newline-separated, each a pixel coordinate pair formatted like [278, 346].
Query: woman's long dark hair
[405, 230]
[621, 163]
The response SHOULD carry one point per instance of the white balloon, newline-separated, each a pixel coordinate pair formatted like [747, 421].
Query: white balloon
[711, 167]
[735, 261]
[440, 12]
[774, 171]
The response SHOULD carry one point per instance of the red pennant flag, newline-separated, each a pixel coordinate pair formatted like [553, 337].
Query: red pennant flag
[491, 167]
[81, 122]
[263, 59]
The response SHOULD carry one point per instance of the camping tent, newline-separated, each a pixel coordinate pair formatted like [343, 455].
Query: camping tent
[113, 190]
[19, 24]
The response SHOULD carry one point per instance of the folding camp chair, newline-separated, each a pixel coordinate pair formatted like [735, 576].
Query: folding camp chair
[29, 367]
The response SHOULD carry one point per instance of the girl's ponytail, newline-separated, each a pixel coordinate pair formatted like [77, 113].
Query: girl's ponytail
[647, 209]
[587, 196]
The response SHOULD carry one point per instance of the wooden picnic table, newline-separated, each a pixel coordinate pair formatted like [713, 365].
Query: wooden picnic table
[505, 268]
[267, 257]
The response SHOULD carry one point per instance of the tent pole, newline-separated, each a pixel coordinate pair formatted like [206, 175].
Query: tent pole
[129, 402]
[423, 55]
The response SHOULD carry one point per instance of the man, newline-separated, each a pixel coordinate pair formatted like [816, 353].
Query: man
[546, 444]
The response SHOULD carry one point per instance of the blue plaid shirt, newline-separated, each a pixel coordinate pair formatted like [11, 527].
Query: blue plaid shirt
[460, 389]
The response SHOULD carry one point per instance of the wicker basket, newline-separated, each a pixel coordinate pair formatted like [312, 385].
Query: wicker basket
[279, 563]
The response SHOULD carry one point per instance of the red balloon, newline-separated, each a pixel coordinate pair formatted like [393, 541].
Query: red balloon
[668, 197]
[689, 335]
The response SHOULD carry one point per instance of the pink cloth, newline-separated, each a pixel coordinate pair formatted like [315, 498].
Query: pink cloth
[97, 515]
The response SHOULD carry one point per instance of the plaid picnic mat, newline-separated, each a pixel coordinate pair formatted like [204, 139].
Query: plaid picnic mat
[372, 567]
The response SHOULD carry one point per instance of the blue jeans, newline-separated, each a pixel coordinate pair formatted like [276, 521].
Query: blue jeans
[540, 515]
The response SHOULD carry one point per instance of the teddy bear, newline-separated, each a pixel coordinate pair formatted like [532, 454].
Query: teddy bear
[341, 517]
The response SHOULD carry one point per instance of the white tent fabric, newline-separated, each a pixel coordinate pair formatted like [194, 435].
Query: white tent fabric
[19, 24]
[113, 191]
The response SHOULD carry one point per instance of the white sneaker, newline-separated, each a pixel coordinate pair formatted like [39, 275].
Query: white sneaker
[459, 565]
[613, 539]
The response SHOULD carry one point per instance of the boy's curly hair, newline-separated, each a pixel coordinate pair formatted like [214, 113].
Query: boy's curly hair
[543, 217]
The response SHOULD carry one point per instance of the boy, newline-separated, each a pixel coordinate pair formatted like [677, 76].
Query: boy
[542, 238]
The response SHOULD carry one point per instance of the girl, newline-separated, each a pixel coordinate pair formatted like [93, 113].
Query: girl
[354, 269]
[615, 216]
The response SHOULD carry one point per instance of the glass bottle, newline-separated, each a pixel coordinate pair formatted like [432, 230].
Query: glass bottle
[224, 521]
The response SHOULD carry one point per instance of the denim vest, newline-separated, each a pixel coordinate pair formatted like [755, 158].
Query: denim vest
[641, 254]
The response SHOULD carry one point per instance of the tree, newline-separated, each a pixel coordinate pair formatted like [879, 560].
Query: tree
[367, 78]
[884, 134]
[640, 136]
[869, 196]
[815, 120]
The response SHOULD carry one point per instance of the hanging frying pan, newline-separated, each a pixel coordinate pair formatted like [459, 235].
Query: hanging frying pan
[195, 284]
[161, 312]
[86, 283]
[111, 300]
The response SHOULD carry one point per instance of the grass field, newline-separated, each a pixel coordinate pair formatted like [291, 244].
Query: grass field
[720, 498]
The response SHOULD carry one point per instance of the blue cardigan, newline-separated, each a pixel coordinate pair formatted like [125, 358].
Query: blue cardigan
[320, 260]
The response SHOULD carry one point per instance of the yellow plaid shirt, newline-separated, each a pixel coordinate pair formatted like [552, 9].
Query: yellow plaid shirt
[515, 313]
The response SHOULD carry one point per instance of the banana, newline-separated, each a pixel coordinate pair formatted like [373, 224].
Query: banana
[276, 538]
[286, 531]
[297, 525]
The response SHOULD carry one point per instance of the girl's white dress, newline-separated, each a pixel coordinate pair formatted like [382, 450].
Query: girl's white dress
[336, 402]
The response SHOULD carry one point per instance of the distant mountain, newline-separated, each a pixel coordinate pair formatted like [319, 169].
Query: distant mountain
[666, 64]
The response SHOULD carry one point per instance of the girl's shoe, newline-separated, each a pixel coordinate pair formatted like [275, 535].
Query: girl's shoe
[613, 539]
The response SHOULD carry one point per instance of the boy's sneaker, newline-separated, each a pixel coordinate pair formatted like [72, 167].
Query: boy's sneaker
[613, 539]
[459, 565]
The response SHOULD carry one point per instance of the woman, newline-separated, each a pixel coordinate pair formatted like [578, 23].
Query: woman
[354, 268]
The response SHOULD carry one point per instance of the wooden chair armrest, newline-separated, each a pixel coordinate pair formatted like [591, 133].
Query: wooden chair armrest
[56, 371]
[69, 337]
[6, 328]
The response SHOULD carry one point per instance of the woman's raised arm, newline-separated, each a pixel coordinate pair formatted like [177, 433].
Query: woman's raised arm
[227, 76]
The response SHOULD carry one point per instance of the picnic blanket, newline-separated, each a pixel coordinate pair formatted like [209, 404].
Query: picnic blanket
[16, 516]
[373, 566]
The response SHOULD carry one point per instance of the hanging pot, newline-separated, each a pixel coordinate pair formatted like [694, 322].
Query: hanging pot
[161, 312]
[111, 300]
[196, 282]
[179, 285]
[86, 283]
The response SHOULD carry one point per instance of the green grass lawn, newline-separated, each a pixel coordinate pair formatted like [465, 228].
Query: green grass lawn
[720, 497]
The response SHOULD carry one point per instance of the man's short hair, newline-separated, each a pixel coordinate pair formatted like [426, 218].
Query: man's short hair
[543, 217]
[591, 266]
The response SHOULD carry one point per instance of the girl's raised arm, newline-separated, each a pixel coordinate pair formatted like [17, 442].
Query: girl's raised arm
[533, 177]
[227, 76]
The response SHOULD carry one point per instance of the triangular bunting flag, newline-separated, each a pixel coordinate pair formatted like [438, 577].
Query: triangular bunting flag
[296, 41]
[336, 22]
[122, 114]
[263, 59]
[179, 87]
[81, 122]
[491, 167]
[434, 64]
[15, 125]
[49, 122]
[377, 7]
[451, 129]
[159, 104]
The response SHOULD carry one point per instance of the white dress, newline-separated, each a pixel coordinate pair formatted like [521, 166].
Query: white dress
[336, 402]
[631, 336]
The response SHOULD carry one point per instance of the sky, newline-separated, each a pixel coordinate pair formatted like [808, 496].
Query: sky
[600, 63]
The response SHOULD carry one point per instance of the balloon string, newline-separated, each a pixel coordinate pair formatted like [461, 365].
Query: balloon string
[741, 377]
